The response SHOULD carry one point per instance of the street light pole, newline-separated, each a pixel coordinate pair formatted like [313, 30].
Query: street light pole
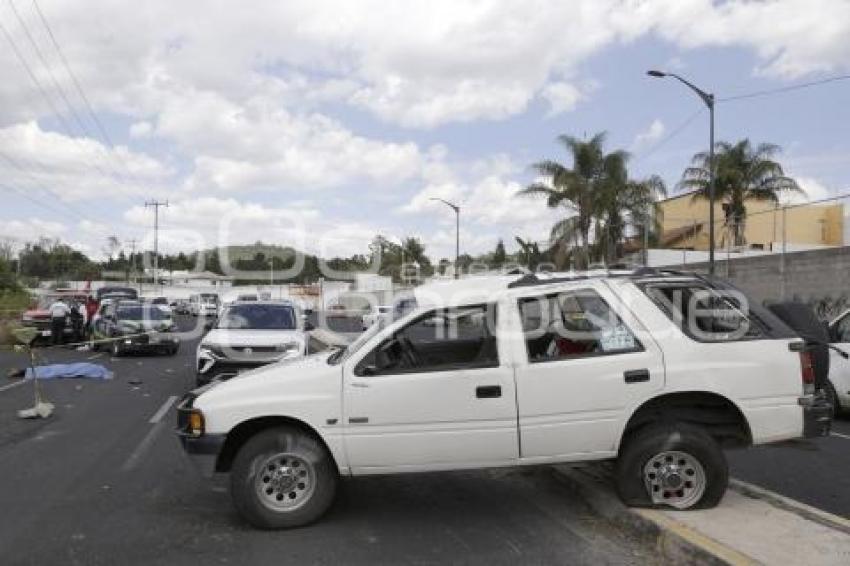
[456, 208]
[708, 99]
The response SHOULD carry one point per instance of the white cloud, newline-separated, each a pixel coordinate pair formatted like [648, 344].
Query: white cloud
[562, 97]
[645, 139]
[141, 129]
[57, 168]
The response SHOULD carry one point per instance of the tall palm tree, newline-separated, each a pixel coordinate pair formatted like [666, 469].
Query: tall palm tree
[573, 189]
[622, 201]
[742, 173]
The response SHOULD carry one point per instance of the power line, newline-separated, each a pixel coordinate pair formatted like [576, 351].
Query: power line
[98, 124]
[673, 133]
[780, 90]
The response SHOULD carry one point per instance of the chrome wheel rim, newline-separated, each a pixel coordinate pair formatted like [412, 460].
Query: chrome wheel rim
[674, 478]
[284, 482]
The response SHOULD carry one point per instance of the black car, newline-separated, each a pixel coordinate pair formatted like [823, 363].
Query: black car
[131, 326]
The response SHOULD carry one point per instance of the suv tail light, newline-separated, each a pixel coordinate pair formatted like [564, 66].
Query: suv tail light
[807, 368]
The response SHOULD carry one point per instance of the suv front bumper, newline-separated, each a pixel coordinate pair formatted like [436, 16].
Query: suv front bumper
[202, 451]
[817, 415]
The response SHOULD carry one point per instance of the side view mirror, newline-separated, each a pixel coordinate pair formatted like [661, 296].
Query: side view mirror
[209, 324]
[309, 326]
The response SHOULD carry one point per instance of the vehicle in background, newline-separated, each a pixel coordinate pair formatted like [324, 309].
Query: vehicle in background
[381, 313]
[659, 371]
[180, 306]
[203, 304]
[839, 367]
[113, 292]
[135, 326]
[38, 317]
[249, 335]
[162, 303]
[239, 298]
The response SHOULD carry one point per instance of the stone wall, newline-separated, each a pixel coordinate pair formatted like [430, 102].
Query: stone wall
[818, 277]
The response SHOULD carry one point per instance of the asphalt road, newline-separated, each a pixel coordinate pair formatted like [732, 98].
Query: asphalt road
[816, 472]
[104, 481]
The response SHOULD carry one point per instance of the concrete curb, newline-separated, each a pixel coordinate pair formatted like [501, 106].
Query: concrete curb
[811, 513]
[675, 542]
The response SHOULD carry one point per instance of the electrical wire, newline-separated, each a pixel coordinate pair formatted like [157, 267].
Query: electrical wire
[782, 90]
[673, 133]
[78, 87]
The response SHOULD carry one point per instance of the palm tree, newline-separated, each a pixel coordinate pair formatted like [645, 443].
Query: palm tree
[742, 173]
[622, 201]
[573, 189]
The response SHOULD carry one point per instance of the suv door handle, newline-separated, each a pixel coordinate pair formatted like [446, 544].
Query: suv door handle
[636, 375]
[488, 391]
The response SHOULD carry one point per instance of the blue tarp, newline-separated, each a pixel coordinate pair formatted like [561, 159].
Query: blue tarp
[70, 371]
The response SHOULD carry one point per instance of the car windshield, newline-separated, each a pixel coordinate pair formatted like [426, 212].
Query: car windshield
[209, 299]
[258, 317]
[141, 313]
[344, 353]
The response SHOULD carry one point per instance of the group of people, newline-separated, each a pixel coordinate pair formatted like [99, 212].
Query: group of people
[79, 313]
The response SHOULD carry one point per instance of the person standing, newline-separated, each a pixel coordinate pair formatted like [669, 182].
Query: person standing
[91, 309]
[58, 315]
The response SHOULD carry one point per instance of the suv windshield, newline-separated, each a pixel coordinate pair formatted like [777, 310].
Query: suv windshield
[258, 317]
[140, 313]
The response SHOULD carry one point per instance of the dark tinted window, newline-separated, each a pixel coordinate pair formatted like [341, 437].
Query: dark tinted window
[443, 339]
[706, 314]
[258, 317]
[141, 313]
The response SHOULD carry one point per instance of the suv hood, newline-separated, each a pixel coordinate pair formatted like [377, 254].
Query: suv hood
[230, 337]
[286, 387]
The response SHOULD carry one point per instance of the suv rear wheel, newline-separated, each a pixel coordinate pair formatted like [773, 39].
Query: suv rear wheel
[282, 478]
[671, 465]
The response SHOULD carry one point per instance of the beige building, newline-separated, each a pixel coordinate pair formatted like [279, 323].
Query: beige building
[685, 225]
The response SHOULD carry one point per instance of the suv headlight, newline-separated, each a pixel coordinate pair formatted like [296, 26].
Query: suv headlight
[195, 423]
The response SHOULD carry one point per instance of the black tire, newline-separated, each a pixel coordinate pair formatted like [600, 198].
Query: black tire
[247, 466]
[643, 445]
[832, 397]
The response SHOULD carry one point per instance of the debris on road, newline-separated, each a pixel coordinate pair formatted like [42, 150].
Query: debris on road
[42, 409]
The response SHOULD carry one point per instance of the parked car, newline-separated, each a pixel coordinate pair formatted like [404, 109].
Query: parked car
[382, 314]
[180, 306]
[203, 304]
[132, 326]
[659, 371]
[162, 303]
[38, 316]
[114, 292]
[839, 366]
[249, 335]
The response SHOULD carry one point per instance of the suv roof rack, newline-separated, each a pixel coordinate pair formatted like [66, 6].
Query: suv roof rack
[614, 271]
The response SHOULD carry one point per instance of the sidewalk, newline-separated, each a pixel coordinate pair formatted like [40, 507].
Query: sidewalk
[750, 526]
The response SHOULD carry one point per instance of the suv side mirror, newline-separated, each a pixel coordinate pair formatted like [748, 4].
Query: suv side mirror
[309, 326]
[209, 324]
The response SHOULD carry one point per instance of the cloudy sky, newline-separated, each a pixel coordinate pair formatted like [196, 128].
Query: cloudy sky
[321, 123]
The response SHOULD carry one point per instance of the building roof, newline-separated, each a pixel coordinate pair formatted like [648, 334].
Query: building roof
[198, 275]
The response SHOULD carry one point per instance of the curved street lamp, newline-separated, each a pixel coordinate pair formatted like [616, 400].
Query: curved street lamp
[708, 99]
[456, 208]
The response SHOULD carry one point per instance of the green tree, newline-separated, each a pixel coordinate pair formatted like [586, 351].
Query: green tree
[742, 173]
[573, 189]
[499, 255]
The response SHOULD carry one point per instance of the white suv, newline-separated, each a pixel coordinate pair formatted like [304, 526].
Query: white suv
[659, 371]
[249, 335]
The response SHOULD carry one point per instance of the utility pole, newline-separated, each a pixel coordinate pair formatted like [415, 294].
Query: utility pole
[456, 208]
[155, 204]
[131, 272]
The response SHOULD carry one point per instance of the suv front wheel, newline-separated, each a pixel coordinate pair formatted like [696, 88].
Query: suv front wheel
[671, 465]
[282, 478]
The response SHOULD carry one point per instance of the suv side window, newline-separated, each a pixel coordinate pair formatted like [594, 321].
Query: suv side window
[573, 324]
[706, 314]
[439, 340]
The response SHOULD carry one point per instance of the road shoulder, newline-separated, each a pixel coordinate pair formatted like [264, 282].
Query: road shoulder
[750, 526]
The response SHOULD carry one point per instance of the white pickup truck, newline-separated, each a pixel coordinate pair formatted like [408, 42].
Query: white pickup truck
[658, 370]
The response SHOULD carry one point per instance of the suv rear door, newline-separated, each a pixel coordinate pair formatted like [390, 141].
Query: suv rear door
[586, 360]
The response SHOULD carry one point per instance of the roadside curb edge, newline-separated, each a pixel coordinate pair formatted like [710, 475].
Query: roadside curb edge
[676, 542]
